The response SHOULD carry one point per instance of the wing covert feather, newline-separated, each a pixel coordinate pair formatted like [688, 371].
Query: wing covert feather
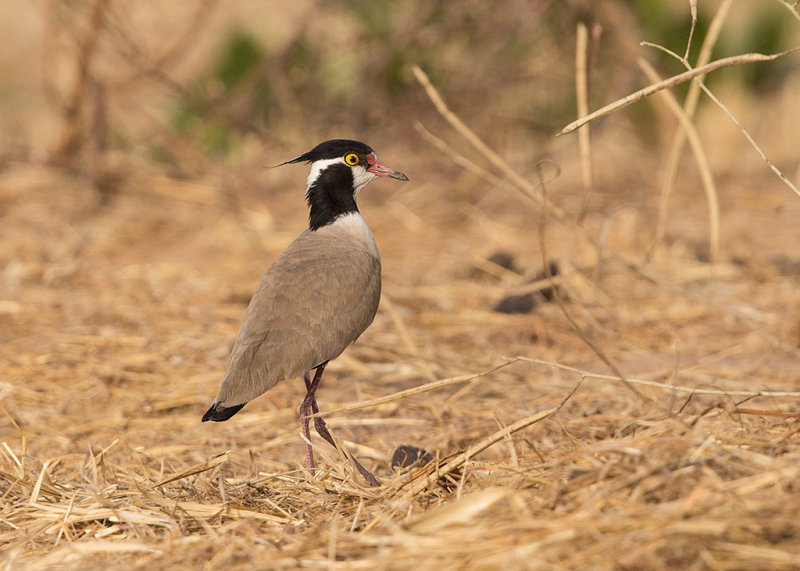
[314, 301]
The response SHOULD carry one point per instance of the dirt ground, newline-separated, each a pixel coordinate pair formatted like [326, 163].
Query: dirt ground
[123, 283]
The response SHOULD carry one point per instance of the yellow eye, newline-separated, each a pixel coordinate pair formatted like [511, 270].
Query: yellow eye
[351, 159]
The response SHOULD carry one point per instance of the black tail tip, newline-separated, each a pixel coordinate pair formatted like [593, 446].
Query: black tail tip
[218, 414]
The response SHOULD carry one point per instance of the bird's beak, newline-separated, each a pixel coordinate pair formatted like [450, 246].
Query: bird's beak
[378, 169]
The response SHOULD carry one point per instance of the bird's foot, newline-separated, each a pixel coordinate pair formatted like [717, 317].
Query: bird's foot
[309, 407]
[322, 430]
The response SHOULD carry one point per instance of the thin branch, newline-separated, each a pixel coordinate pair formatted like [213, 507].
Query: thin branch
[689, 107]
[671, 82]
[477, 448]
[497, 161]
[197, 469]
[455, 156]
[693, 11]
[792, 7]
[410, 392]
[662, 386]
[731, 116]
[700, 156]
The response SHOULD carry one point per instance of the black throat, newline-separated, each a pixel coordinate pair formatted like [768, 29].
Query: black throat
[331, 195]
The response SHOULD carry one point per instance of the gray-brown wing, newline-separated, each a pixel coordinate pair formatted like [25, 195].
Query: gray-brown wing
[314, 301]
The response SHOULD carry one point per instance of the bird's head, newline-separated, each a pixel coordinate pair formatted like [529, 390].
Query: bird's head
[345, 164]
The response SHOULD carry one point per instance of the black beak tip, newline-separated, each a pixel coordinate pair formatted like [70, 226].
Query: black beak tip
[398, 176]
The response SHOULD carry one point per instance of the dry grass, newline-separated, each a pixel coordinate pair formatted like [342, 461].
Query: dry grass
[117, 317]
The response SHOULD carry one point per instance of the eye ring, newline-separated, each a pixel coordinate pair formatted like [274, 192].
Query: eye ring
[351, 159]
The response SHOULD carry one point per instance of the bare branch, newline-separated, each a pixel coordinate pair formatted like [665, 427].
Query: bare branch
[671, 82]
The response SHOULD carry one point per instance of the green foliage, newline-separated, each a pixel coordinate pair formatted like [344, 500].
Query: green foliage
[510, 65]
[230, 99]
[768, 30]
[240, 55]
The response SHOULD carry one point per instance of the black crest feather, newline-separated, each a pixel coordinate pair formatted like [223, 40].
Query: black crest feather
[330, 150]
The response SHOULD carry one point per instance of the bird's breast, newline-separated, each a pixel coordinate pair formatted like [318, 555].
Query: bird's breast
[353, 228]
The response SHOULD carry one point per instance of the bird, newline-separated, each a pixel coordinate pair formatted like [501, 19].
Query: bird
[317, 297]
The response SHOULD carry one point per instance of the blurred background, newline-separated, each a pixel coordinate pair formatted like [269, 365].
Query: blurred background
[236, 83]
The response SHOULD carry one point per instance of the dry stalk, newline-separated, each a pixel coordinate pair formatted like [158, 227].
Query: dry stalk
[198, 469]
[671, 82]
[95, 458]
[730, 115]
[792, 7]
[455, 156]
[477, 448]
[664, 386]
[700, 156]
[582, 97]
[18, 462]
[689, 107]
[469, 135]
[435, 385]
[693, 12]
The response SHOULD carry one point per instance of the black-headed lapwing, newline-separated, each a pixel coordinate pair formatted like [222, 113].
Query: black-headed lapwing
[318, 296]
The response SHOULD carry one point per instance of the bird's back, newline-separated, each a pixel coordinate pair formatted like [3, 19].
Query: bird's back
[314, 301]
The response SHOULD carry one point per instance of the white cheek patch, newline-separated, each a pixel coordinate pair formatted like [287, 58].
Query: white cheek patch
[361, 178]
